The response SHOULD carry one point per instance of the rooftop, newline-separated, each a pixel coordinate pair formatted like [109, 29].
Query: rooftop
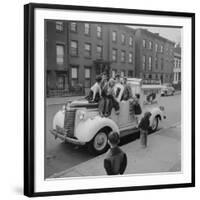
[157, 35]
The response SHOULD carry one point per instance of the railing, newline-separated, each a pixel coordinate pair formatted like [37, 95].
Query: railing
[74, 91]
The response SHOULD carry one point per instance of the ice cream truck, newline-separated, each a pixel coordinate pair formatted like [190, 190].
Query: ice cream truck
[80, 123]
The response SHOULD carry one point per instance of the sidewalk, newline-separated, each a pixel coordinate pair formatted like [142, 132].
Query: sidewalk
[163, 154]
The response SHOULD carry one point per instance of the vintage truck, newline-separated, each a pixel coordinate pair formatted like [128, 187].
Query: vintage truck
[80, 123]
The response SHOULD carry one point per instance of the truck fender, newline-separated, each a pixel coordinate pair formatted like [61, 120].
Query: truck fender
[59, 119]
[155, 112]
[86, 130]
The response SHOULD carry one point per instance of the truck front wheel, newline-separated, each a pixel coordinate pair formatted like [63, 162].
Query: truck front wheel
[99, 143]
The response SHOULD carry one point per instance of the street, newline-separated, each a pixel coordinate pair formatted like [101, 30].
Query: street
[60, 156]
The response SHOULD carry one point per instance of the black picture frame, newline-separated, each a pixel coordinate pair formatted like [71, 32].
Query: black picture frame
[29, 96]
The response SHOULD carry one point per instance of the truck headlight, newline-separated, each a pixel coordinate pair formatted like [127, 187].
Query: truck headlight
[64, 107]
[81, 115]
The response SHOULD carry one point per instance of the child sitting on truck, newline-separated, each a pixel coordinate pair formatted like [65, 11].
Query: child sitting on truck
[95, 91]
[108, 100]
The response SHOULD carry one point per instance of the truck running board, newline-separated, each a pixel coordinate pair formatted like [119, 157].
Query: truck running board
[128, 132]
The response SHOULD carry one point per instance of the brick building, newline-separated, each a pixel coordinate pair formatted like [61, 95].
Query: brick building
[76, 52]
[177, 67]
[154, 56]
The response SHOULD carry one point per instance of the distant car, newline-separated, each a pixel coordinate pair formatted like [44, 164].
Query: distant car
[167, 90]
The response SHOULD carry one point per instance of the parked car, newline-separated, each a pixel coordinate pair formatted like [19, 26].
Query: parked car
[80, 123]
[167, 90]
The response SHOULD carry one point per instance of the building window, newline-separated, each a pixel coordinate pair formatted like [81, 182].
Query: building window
[179, 66]
[87, 77]
[130, 57]
[176, 63]
[162, 63]
[74, 75]
[73, 27]
[179, 76]
[87, 29]
[150, 45]
[150, 63]
[167, 50]
[130, 73]
[59, 26]
[87, 48]
[156, 47]
[114, 55]
[122, 73]
[123, 53]
[60, 82]
[161, 48]
[150, 76]
[114, 36]
[156, 62]
[74, 48]
[143, 62]
[59, 54]
[99, 52]
[99, 31]
[144, 43]
[114, 72]
[123, 38]
[130, 41]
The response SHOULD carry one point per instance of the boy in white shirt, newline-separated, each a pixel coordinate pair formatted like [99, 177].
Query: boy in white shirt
[95, 91]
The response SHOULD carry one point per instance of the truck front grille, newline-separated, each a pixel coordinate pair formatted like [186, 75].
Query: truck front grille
[69, 122]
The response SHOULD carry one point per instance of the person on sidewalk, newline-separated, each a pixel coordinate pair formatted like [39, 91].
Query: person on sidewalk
[144, 126]
[116, 160]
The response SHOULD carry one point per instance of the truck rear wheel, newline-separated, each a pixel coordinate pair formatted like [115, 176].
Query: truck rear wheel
[154, 125]
[99, 143]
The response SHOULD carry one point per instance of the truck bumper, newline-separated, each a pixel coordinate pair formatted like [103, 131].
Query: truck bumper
[66, 139]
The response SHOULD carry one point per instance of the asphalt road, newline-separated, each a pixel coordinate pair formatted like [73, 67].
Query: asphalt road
[60, 156]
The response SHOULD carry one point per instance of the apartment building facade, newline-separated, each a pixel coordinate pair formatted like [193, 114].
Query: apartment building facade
[177, 67]
[154, 56]
[77, 52]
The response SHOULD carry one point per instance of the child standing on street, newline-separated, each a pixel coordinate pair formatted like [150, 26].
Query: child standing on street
[116, 160]
[144, 126]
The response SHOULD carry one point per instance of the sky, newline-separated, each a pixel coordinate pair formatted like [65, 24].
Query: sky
[173, 34]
